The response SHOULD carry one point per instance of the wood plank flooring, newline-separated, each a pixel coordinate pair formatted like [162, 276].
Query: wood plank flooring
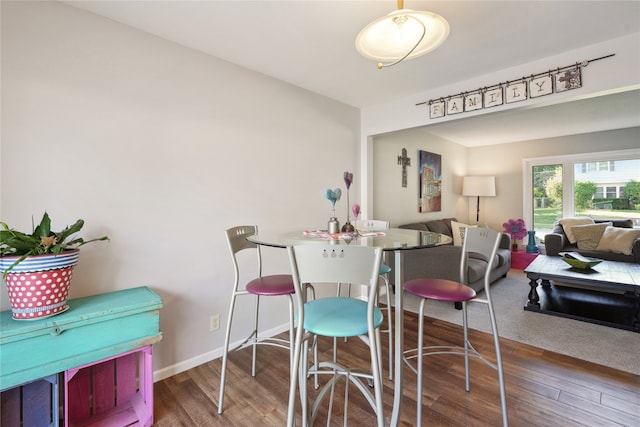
[543, 388]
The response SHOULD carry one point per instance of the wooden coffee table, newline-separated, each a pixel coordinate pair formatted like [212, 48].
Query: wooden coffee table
[607, 294]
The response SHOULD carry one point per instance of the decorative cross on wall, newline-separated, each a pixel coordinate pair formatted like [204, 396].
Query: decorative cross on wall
[571, 79]
[404, 161]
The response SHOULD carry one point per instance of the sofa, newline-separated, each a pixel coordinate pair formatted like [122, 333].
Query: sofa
[609, 239]
[443, 262]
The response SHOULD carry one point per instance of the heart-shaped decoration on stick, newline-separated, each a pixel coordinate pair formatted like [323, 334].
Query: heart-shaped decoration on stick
[356, 210]
[333, 196]
[348, 179]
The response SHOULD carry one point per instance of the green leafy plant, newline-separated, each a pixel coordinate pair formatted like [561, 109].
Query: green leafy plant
[632, 191]
[553, 188]
[41, 241]
[583, 192]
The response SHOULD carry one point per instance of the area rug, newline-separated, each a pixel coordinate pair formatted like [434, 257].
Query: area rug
[599, 344]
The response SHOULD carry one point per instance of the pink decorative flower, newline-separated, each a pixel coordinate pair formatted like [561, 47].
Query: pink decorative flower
[348, 179]
[356, 210]
[516, 228]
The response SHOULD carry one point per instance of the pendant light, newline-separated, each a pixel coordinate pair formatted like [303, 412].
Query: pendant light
[402, 34]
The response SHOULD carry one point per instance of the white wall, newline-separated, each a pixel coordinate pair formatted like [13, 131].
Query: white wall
[604, 76]
[162, 148]
[504, 161]
[399, 204]
[620, 72]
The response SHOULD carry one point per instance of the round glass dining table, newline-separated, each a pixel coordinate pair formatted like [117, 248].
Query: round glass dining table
[396, 240]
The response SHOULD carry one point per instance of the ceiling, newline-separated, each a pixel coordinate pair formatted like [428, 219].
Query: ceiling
[310, 44]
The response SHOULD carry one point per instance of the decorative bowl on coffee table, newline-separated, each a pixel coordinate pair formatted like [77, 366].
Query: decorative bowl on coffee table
[585, 264]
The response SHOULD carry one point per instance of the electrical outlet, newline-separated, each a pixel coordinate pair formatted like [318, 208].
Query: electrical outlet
[214, 322]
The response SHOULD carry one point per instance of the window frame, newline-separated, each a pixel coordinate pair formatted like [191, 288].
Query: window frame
[567, 161]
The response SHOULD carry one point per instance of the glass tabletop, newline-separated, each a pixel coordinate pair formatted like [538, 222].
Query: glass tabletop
[389, 240]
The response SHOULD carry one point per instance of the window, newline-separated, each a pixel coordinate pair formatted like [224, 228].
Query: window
[599, 185]
[608, 166]
[604, 192]
[547, 196]
[599, 193]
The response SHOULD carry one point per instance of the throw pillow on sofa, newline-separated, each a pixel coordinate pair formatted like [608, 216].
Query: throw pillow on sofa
[569, 223]
[618, 240]
[442, 226]
[588, 236]
[458, 229]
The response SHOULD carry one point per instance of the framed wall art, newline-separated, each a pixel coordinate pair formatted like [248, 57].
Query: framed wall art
[493, 97]
[430, 172]
[528, 87]
[455, 105]
[541, 86]
[516, 92]
[436, 109]
[568, 79]
[473, 101]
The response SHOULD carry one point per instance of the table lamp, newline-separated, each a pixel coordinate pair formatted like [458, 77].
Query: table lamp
[477, 186]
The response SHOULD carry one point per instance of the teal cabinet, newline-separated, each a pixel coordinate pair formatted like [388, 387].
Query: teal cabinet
[95, 328]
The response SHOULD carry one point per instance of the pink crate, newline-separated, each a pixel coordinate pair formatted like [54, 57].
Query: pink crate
[116, 391]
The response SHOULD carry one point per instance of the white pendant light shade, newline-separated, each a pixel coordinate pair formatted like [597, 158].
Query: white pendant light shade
[402, 34]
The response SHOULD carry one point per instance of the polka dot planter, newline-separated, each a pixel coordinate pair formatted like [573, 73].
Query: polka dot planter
[38, 286]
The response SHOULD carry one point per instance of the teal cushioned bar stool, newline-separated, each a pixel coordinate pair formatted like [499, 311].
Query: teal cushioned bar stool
[267, 286]
[335, 317]
[478, 242]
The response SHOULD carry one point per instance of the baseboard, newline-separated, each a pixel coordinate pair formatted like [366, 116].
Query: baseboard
[192, 362]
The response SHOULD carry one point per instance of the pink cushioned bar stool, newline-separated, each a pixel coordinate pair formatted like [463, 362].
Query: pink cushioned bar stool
[267, 286]
[478, 242]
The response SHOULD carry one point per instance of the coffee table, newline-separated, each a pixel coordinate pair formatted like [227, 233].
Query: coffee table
[607, 294]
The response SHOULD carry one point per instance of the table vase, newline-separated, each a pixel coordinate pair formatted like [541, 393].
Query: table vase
[532, 248]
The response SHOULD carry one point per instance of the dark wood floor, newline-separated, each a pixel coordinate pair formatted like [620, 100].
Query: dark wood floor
[543, 388]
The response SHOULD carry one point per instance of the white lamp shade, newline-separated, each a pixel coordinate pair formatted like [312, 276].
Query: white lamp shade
[479, 186]
[392, 36]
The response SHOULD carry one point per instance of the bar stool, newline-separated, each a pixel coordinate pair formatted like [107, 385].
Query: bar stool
[267, 286]
[477, 242]
[335, 317]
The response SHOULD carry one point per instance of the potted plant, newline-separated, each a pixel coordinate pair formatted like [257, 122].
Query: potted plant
[517, 229]
[37, 267]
